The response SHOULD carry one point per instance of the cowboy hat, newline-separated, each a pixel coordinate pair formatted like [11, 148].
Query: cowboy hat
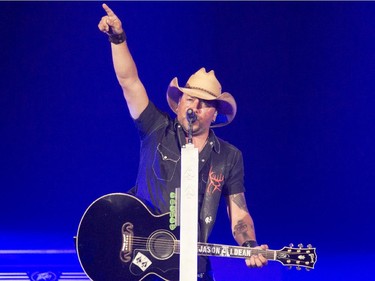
[204, 85]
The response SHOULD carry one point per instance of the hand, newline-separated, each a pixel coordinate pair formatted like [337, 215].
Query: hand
[110, 23]
[257, 260]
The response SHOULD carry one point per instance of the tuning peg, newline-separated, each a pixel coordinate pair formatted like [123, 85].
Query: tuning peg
[291, 245]
[290, 267]
[300, 245]
[307, 269]
[298, 268]
[309, 246]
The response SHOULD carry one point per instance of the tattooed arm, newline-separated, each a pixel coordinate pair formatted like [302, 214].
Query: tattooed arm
[241, 221]
[243, 226]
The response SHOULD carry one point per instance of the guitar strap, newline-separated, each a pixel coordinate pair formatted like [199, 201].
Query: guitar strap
[212, 194]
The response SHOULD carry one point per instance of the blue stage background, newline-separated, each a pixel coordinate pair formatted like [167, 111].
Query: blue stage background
[303, 77]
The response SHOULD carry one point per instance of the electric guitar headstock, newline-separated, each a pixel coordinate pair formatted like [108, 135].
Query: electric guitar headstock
[297, 257]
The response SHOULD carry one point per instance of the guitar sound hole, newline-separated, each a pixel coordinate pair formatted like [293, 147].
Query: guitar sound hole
[161, 245]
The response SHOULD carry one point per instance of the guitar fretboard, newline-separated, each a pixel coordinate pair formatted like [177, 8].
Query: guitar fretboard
[217, 250]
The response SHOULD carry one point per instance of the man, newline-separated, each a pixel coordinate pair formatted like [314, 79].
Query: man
[220, 163]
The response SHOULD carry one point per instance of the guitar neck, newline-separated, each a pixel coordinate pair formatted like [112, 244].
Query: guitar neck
[300, 257]
[218, 250]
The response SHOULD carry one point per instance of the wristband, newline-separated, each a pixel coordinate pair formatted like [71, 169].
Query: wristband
[117, 38]
[250, 244]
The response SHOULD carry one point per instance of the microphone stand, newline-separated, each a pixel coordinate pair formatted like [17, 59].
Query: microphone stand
[190, 131]
[191, 117]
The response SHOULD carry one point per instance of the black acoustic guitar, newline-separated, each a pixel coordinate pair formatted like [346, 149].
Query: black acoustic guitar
[119, 238]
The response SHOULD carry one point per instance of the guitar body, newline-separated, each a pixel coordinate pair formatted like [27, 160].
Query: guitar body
[119, 238]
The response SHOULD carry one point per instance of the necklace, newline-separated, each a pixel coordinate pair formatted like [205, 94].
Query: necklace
[204, 144]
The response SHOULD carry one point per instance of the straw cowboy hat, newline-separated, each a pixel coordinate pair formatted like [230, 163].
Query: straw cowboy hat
[204, 85]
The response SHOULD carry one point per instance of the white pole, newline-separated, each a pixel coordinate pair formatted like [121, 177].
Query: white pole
[189, 213]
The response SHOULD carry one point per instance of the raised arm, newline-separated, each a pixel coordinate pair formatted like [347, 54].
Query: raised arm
[243, 226]
[126, 71]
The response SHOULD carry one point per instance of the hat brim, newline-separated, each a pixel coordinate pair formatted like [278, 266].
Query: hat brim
[226, 104]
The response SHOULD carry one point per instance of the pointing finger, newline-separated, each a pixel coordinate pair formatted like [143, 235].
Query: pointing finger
[108, 10]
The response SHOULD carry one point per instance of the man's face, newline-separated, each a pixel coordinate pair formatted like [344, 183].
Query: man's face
[204, 110]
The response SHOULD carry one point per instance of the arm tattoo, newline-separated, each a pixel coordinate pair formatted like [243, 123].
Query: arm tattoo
[241, 228]
[239, 200]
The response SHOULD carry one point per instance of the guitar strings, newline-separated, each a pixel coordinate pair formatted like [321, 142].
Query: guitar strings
[161, 243]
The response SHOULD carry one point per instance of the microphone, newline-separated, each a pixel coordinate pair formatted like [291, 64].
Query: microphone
[190, 115]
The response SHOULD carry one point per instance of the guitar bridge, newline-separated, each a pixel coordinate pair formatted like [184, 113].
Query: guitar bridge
[127, 239]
